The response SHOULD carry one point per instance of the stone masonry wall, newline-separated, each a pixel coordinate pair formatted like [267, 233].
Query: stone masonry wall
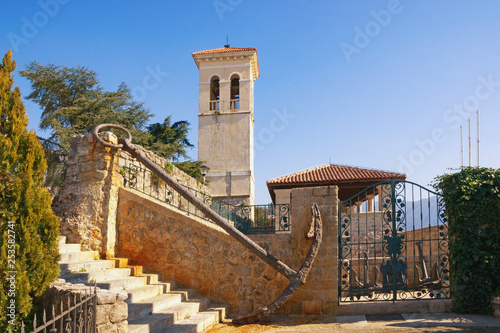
[87, 205]
[112, 311]
[200, 255]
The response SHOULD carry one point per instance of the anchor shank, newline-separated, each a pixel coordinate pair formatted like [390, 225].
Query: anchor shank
[422, 260]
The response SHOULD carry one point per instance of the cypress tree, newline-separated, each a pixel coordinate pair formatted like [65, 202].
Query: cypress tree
[28, 228]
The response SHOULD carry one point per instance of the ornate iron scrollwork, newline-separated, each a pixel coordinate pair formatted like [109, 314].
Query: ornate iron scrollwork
[381, 244]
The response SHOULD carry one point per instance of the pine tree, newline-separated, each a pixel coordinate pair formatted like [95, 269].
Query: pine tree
[169, 140]
[28, 227]
[73, 102]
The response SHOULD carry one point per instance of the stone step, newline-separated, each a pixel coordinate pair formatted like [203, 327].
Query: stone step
[121, 262]
[150, 278]
[97, 276]
[124, 283]
[159, 321]
[200, 322]
[86, 266]
[136, 270]
[61, 240]
[142, 293]
[64, 248]
[167, 286]
[221, 308]
[152, 305]
[68, 257]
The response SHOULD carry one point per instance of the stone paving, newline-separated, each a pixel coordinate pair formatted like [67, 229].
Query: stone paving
[414, 322]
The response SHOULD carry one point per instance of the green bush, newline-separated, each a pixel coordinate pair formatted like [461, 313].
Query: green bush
[472, 198]
[28, 228]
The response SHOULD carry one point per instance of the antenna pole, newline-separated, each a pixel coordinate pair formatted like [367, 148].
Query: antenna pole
[478, 137]
[462, 145]
[470, 146]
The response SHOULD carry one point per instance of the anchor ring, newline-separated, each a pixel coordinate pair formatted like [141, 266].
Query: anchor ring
[127, 140]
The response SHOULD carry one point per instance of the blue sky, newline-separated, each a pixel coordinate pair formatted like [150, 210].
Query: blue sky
[378, 84]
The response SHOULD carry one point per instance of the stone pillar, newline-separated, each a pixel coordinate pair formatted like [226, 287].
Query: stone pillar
[319, 295]
[87, 205]
[111, 312]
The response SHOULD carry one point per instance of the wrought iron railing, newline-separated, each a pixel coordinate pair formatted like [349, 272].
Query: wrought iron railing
[249, 219]
[255, 219]
[73, 315]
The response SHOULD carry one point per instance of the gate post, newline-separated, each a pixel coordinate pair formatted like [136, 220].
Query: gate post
[319, 295]
[393, 244]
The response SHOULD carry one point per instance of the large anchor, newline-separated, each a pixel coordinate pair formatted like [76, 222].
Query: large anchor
[423, 277]
[367, 284]
[297, 278]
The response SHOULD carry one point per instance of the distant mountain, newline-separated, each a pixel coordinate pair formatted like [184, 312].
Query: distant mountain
[422, 213]
[419, 213]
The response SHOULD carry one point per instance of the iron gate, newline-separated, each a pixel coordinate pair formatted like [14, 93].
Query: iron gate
[393, 244]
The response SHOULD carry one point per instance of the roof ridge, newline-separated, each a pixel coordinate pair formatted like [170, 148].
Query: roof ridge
[334, 173]
[225, 50]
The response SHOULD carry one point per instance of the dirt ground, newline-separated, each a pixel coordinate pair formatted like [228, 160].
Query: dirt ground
[281, 323]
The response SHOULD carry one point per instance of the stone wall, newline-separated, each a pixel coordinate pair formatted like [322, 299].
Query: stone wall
[112, 311]
[88, 203]
[495, 302]
[200, 255]
[366, 232]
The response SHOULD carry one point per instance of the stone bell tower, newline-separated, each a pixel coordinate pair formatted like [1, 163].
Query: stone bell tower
[225, 133]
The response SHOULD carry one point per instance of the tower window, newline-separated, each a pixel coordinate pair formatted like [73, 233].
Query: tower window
[235, 92]
[214, 94]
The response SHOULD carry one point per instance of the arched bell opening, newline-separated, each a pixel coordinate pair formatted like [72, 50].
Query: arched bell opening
[214, 94]
[235, 92]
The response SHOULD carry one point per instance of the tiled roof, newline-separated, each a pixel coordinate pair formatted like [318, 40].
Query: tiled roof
[332, 174]
[207, 54]
[225, 50]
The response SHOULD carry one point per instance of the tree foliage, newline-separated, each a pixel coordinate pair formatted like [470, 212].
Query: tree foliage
[28, 227]
[192, 168]
[73, 102]
[169, 140]
[472, 198]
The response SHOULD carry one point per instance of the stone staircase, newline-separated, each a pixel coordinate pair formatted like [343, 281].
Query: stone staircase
[153, 305]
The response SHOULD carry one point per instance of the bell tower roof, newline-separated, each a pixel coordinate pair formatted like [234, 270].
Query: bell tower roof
[228, 53]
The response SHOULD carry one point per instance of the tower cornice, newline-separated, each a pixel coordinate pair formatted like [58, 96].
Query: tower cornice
[208, 57]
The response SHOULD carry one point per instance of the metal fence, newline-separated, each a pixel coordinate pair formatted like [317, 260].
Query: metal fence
[249, 219]
[75, 314]
[393, 244]
[255, 219]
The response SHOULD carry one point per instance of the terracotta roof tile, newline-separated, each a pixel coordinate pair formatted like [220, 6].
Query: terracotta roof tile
[333, 173]
[225, 50]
